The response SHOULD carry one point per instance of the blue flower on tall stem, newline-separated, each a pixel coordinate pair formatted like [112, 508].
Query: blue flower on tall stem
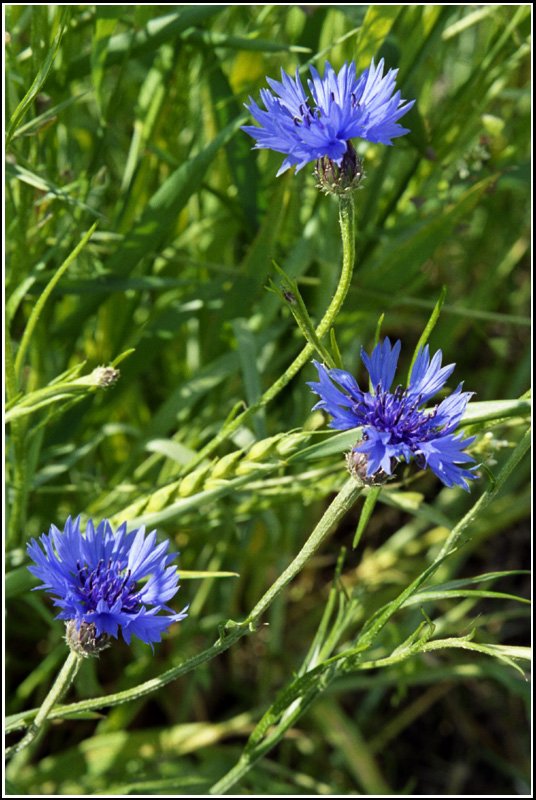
[395, 425]
[103, 581]
[340, 107]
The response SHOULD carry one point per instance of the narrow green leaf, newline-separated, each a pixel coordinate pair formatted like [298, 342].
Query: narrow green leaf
[430, 325]
[467, 21]
[50, 114]
[175, 451]
[290, 295]
[366, 513]
[504, 653]
[477, 579]
[217, 39]
[106, 19]
[491, 410]
[20, 173]
[59, 390]
[18, 581]
[194, 575]
[161, 213]
[337, 443]
[335, 349]
[41, 76]
[47, 291]
[377, 332]
[402, 255]
[375, 623]
[241, 158]
[432, 595]
[158, 30]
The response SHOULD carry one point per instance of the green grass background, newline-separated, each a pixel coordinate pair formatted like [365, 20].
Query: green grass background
[128, 117]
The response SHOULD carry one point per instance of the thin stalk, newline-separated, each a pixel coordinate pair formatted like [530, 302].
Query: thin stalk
[489, 495]
[248, 759]
[333, 666]
[340, 505]
[47, 291]
[21, 478]
[344, 500]
[18, 428]
[347, 224]
[66, 676]
[12, 384]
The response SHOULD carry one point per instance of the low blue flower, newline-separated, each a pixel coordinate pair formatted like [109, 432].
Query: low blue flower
[340, 107]
[103, 581]
[395, 424]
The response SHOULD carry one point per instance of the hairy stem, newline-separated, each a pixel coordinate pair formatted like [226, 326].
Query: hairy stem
[66, 676]
[340, 505]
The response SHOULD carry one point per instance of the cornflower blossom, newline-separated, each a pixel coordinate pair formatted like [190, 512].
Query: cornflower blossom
[103, 581]
[319, 127]
[395, 424]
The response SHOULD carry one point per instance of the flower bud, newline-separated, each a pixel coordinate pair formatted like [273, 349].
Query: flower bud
[82, 638]
[105, 376]
[357, 467]
[339, 180]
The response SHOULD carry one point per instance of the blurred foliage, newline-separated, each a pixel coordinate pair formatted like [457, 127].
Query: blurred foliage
[128, 117]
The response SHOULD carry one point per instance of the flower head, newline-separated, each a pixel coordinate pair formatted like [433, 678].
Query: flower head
[396, 426]
[103, 580]
[340, 107]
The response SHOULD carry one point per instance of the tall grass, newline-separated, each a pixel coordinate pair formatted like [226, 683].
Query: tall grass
[141, 234]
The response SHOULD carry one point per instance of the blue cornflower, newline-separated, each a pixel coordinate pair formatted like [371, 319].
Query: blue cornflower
[340, 107]
[395, 425]
[104, 580]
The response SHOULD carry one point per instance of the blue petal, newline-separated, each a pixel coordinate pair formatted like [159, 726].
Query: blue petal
[450, 411]
[376, 448]
[444, 455]
[92, 578]
[335, 402]
[427, 377]
[382, 363]
[340, 107]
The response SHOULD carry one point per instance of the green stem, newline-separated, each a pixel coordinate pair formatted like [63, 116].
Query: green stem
[340, 505]
[329, 667]
[12, 384]
[347, 223]
[37, 728]
[248, 759]
[485, 499]
[18, 721]
[18, 428]
[47, 291]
